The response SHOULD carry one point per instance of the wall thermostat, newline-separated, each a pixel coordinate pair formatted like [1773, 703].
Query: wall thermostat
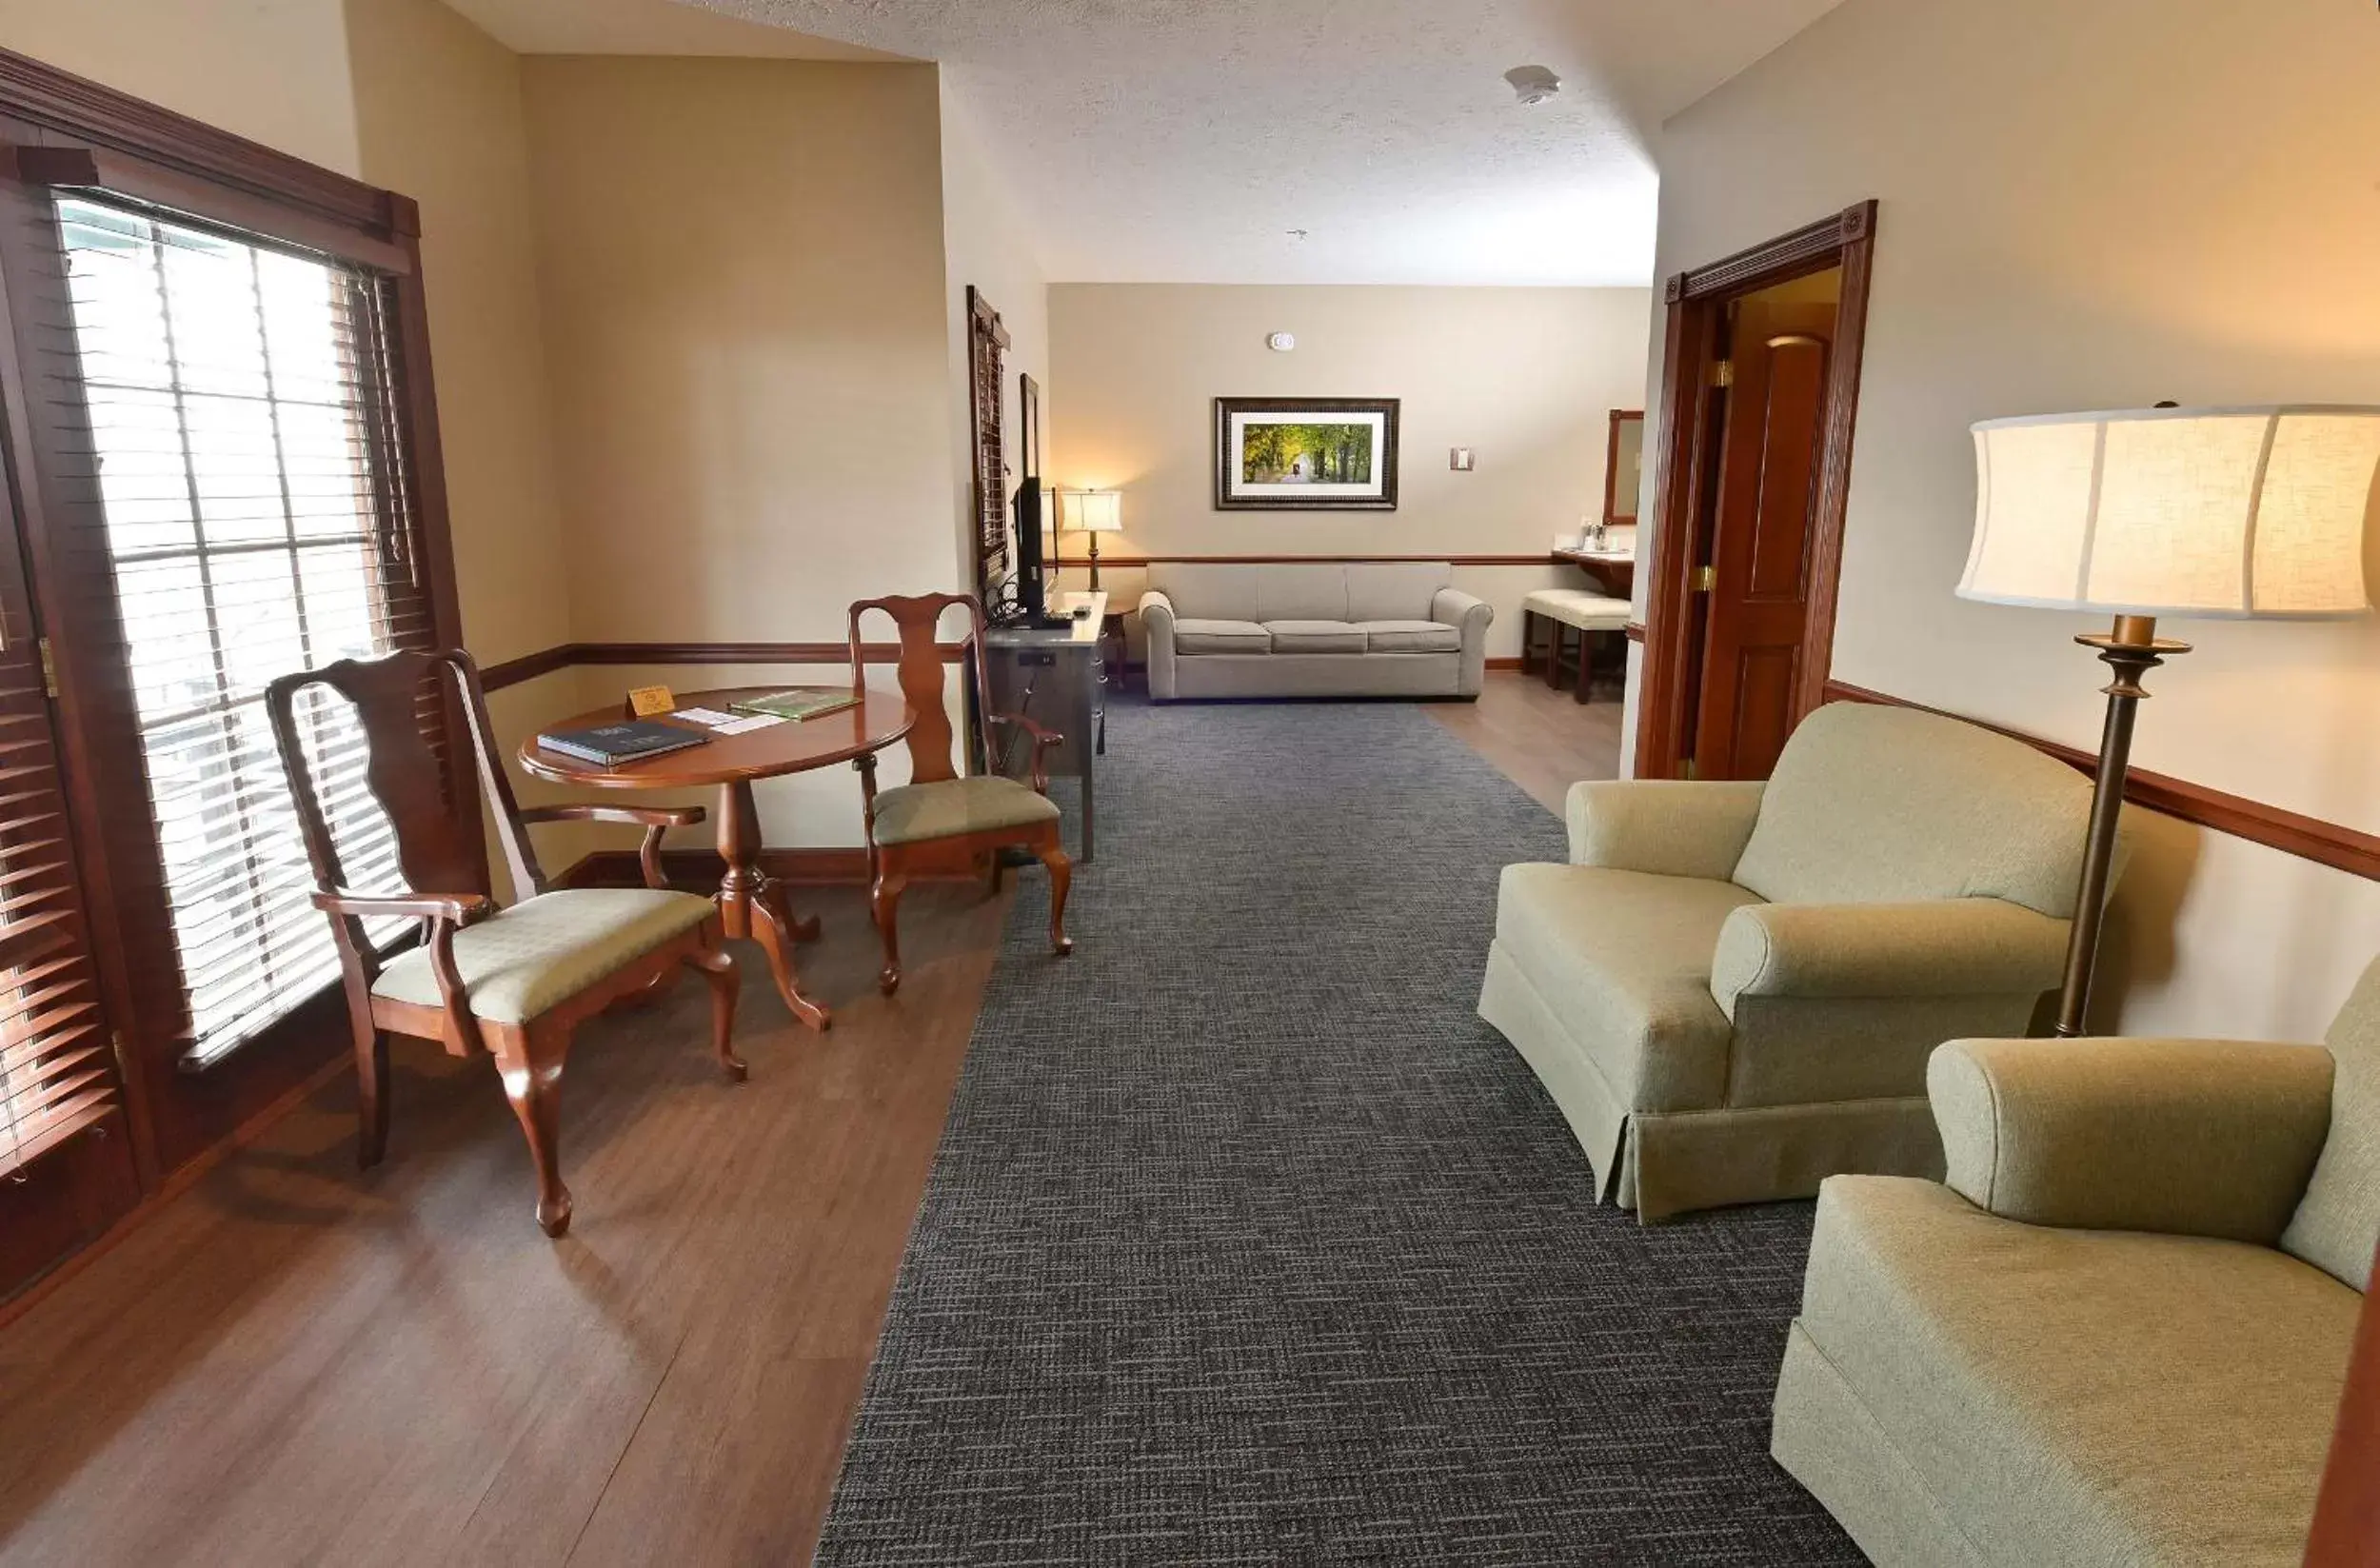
[1280, 343]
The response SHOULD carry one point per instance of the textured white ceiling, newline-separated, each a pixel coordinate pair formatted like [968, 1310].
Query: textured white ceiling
[1183, 140]
[644, 27]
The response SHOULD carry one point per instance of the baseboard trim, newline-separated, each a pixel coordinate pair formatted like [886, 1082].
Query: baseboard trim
[2327, 844]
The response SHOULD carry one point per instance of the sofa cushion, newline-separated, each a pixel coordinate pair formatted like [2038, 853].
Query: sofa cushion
[1315, 637]
[1300, 592]
[951, 808]
[1203, 636]
[1623, 959]
[2337, 1223]
[1395, 591]
[1208, 592]
[1875, 804]
[2085, 1396]
[1409, 637]
[543, 951]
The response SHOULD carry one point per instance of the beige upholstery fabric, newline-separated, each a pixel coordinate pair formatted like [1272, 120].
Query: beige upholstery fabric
[1518, 1011]
[1624, 959]
[525, 961]
[1834, 1050]
[2059, 1395]
[1680, 1160]
[2338, 1224]
[1666, 826]
[955, 807]
[2196, 1137]
[1312, 637]
[1354, 629]
[1873, 804]
[1409, 637]
[1578, 608]
[1939, 948]
[1197, 636]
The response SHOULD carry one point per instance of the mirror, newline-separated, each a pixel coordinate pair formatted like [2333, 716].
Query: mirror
[1623, 468]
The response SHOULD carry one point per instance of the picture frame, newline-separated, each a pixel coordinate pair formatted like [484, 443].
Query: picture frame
[1305, 454]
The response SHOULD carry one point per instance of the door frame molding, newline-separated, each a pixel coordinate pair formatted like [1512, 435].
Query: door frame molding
[1696, 299]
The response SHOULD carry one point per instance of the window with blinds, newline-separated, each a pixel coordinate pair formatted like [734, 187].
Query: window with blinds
[246, 462]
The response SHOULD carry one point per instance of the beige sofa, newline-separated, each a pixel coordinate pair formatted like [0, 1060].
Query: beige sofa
[1732, 989]
[2119, 1335]
[1375, 628]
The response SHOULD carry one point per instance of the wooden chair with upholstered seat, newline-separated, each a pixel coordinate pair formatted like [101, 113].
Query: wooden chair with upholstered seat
[514, 982]
[939, 815]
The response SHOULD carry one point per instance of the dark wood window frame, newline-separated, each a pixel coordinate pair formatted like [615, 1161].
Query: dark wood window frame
[1697, 302]
[58, 131]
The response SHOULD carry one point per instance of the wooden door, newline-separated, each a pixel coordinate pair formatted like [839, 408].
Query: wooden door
[1762, 515]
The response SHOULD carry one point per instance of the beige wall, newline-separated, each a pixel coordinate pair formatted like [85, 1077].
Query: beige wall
[987, 243]
[2092, 204]
[742, 271]
[1526, 377]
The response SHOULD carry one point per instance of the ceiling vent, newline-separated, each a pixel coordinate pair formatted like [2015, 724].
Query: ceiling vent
[1533, 84]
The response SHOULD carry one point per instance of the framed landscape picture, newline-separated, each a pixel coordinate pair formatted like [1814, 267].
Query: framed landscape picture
[1305, 454]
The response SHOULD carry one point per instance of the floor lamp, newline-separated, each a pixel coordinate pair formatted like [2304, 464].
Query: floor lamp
[2199, 513]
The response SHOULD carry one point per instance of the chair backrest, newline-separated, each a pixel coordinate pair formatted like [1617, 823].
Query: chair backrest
[436, 828]
[1878, 805]
[2337, 1223]
[1358, 590]
[932, 752]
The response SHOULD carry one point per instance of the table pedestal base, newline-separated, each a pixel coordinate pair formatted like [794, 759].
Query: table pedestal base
[752, 903]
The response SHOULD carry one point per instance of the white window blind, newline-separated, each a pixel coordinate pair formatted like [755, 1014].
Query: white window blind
[256, 523]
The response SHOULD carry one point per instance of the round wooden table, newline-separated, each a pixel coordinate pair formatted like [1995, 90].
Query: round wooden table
[751, 902]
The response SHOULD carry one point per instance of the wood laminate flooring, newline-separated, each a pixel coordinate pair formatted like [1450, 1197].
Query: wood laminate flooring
[296, 1362]
[1542, 740]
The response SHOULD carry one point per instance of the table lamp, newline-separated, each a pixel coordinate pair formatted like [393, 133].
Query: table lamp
[1094, 512]
[2217, 513]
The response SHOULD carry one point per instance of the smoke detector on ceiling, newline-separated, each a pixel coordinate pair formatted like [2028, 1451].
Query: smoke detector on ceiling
[1533, 84]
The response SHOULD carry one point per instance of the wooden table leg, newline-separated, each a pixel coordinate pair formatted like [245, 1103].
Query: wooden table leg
[752, 903]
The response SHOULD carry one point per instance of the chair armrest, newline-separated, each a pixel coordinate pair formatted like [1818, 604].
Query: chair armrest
[2192, 1137]
[655, 820]
[1042, 740]
[454, 908]
[1453, 607]
[1936, 949]
[1671, 827]
[1157, 628]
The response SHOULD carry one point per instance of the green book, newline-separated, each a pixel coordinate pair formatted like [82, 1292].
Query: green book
[799, 702]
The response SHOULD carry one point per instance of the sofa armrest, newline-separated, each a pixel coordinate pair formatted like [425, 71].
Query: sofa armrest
[1671, 827]
[1156, 627]
[1471, 614]
[1936, 949]
[2192, 1137]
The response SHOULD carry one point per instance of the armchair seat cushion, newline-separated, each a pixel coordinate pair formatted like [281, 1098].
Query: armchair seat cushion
[525, 961]
[1410, 637]
[1315, 636]
[1624, 958]
[954, 807]
[1193, 635]
[2070, 1396]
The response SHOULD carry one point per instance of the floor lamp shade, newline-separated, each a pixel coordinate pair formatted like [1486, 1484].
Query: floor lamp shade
[2227, 513]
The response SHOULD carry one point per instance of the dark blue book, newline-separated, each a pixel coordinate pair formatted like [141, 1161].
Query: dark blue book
[629, 740]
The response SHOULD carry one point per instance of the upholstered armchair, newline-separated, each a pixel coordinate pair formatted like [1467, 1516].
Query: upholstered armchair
[2119, 1335]
[1732, 988]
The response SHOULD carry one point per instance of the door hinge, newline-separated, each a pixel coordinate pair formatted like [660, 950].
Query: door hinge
[49, 671]
[1706, 578]
[1723, 373]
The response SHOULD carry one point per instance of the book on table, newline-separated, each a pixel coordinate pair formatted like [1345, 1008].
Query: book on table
[798, 703]
[629, 740]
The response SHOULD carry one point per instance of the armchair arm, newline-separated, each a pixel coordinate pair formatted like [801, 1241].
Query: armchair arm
[1453, 607]
[1939, 948]
[1157, 626]
[454, 908]
[2195, 1136]
[1042, 740]
[1670, 827]
[655, 820]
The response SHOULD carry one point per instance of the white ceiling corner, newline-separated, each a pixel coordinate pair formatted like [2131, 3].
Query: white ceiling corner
[1183, 140]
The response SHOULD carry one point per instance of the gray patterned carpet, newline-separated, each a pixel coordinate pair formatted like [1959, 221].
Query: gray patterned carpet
[1248, 1243]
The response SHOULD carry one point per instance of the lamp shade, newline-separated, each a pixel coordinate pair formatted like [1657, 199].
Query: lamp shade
[2227, 513]
[1093, 512]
